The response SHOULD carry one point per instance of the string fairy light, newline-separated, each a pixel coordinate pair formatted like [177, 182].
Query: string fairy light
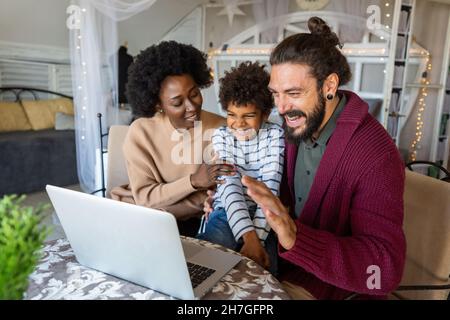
[388, 15]
[267, 51]
[239, 51]
[415, 145]
[82, 86]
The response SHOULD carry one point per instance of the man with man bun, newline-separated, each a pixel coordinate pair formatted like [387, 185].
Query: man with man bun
[340, 212]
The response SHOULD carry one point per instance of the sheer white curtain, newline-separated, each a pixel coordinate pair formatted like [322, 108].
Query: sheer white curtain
[266, 10]
[121, 10]
[94, 47]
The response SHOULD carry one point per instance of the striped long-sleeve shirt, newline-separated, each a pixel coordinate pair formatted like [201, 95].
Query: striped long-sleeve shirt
[261, 158]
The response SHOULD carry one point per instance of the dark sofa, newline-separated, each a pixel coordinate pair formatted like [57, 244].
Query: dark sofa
[31, 159]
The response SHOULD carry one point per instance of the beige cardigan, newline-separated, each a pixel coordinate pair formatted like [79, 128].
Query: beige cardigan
[158, 176]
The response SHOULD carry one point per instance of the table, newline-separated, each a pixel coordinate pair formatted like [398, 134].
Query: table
[60, 276]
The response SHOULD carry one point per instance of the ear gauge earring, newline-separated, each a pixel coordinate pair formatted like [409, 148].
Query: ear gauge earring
[330, 96]
[161, 110]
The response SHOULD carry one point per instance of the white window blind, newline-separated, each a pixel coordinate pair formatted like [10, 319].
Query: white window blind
[54, 77]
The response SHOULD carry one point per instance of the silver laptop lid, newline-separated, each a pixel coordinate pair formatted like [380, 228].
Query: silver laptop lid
[135, 243]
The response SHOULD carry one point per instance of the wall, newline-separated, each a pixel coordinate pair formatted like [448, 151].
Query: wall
[189, 29]
[218, 30]
[43, 22]
[148, 27]
[40, 22]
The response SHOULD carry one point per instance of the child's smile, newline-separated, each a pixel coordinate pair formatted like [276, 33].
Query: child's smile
[244, 121]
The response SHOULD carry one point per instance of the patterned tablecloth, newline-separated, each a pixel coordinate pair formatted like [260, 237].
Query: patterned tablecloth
[60, 276]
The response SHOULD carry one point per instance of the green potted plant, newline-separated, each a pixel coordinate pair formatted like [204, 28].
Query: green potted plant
[21, 237]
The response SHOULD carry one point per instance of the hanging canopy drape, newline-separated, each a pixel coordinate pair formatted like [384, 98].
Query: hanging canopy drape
[93, 47]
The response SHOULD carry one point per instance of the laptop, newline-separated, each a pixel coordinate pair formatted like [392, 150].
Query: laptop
[138, 244]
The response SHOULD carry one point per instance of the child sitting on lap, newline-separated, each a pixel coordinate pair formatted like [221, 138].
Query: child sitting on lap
[256, 148]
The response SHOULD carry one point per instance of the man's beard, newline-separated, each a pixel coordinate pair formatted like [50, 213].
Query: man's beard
[312, 124]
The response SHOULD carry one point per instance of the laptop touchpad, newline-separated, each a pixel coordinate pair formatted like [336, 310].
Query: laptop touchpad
[190, 249]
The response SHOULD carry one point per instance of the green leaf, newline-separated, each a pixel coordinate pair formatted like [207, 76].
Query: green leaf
[21, 238]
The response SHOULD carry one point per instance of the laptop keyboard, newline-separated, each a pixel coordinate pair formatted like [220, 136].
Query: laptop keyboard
[198, 273]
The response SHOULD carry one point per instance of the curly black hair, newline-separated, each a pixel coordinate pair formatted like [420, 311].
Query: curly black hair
[154, 64]
[246, 84]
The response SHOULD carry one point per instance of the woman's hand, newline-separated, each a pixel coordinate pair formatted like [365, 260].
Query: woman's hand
[276, 213]
[207, 175]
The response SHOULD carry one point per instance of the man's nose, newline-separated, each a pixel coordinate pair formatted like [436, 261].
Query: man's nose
[282, 104]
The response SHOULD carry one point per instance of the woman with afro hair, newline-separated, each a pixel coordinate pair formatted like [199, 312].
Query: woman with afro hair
[161, 146]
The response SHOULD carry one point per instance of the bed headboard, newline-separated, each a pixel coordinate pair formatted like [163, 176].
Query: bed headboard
[34, 108]
[21, 93]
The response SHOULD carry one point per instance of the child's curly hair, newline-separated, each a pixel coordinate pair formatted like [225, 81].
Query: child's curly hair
[246, 84]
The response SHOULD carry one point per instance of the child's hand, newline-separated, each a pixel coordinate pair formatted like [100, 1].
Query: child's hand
[254, 250]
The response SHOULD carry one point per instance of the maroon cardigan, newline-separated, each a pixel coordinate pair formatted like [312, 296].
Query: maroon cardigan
[353, 216]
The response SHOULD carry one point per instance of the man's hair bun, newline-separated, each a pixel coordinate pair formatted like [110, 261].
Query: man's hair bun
[320, 28]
